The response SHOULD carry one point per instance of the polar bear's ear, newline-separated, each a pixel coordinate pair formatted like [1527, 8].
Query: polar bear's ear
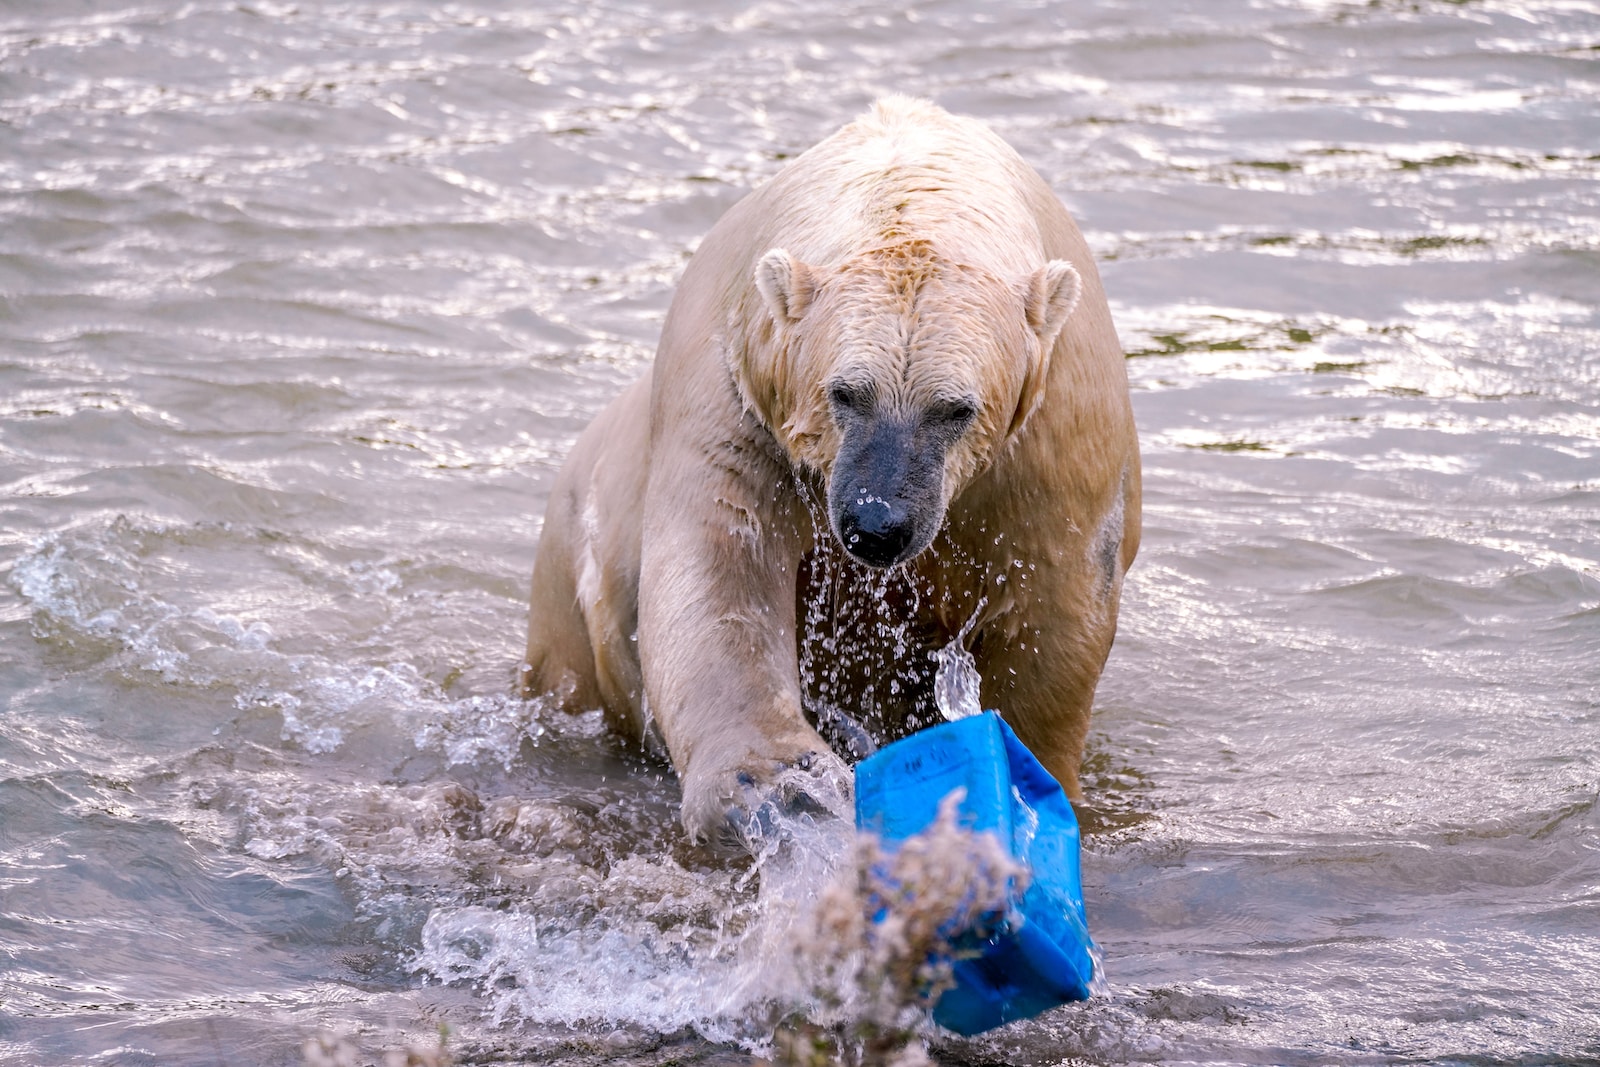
[786, 284]
[1053, 292]
[1049, 296]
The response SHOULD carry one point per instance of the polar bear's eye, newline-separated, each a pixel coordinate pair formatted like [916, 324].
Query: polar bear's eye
[956, 414]
[853, 398]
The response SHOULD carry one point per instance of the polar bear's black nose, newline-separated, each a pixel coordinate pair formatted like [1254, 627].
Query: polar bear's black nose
[876, 531]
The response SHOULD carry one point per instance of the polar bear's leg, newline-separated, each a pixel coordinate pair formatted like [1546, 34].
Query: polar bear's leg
[724, 537]
[583, 618]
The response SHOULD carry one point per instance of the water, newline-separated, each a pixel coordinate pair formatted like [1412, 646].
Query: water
[302, 305]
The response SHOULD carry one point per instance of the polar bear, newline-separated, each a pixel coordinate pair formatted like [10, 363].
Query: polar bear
[888, 420]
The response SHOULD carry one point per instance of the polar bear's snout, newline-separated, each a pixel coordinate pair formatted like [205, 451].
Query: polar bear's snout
[886, 496]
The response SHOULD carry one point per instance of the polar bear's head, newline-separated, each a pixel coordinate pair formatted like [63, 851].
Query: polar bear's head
[899, 376]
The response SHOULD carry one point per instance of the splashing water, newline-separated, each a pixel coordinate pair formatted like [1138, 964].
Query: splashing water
[956, 683]
[829, 948]
[644, 941]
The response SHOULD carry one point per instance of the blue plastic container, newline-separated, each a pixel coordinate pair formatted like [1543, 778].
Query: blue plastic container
[1041, 955]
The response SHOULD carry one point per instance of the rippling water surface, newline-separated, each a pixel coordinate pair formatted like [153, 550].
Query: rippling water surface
[302, 304]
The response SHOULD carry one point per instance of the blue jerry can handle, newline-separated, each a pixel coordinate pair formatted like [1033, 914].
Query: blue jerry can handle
[1042, 955]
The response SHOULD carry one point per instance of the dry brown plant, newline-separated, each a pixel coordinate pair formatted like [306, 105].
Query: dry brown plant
[886, 937]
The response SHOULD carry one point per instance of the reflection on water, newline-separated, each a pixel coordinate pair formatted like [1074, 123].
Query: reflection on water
[301, 306]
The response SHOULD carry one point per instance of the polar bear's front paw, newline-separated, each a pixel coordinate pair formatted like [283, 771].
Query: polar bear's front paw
[744, 808]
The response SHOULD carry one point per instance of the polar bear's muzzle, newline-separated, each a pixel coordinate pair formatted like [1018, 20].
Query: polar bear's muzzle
[886, 496]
